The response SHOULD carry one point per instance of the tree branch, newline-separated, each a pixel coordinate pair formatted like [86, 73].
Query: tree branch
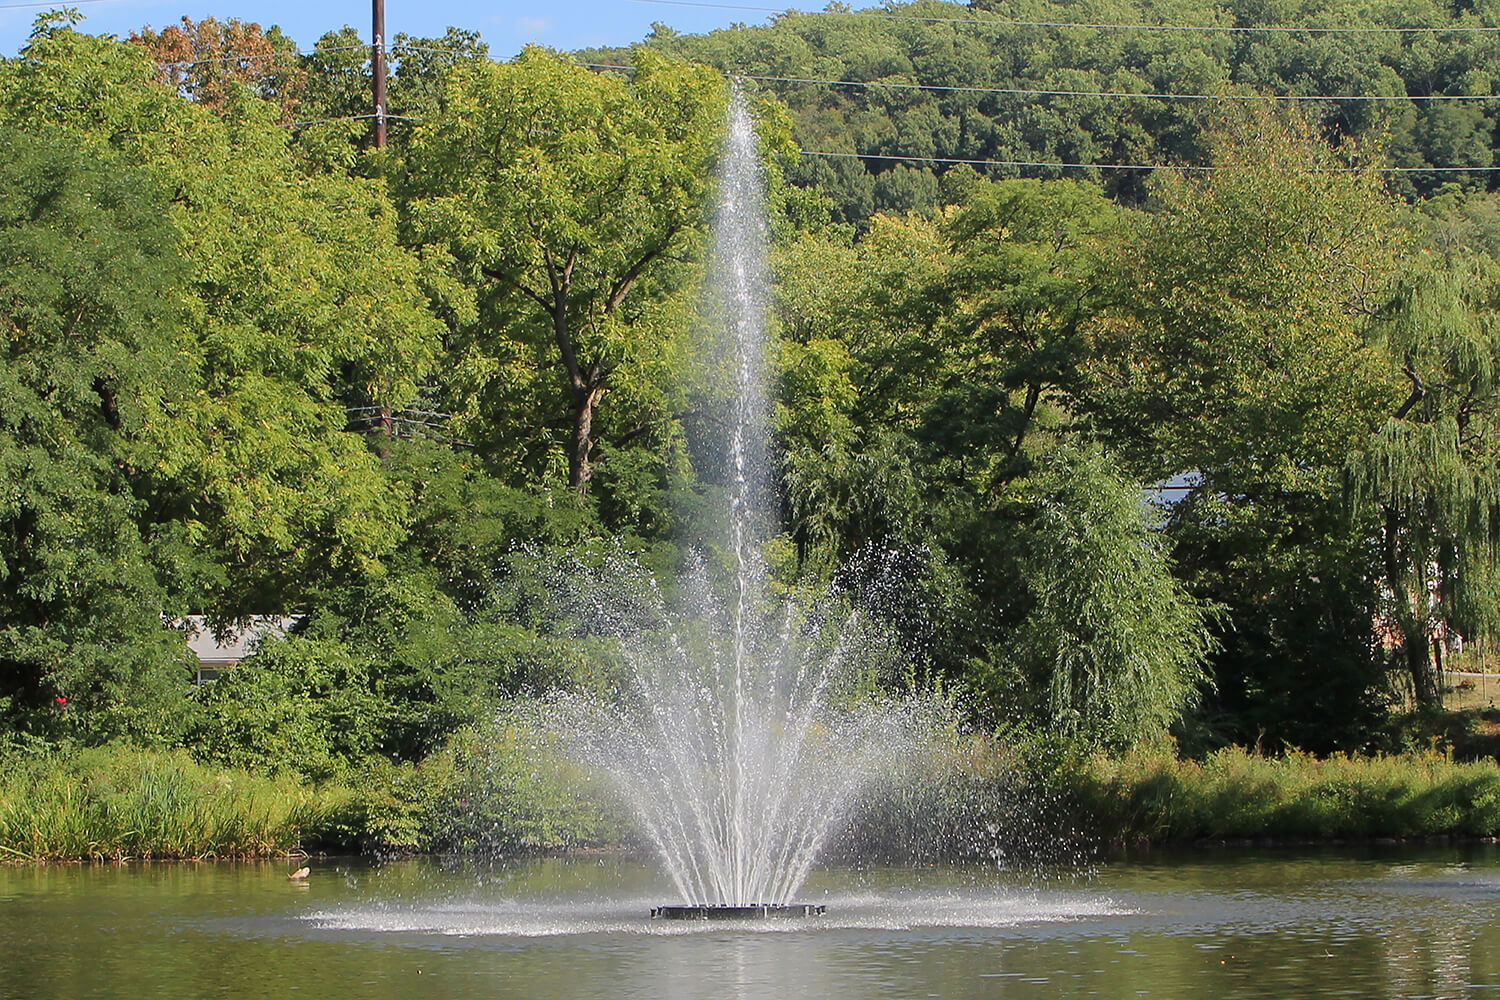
[633, 273]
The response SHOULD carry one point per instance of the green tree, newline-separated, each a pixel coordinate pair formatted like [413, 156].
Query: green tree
[91, 369]
[567, 199]
[1109, 643]
[1236, 352]
[339, 94]
[1431, 468]
[300, 305]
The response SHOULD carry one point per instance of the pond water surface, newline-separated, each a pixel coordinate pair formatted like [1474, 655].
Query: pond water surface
[1376, 923]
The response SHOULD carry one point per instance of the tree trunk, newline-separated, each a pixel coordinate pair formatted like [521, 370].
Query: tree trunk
[1424, 682]
[1410, 619]
[580, 465]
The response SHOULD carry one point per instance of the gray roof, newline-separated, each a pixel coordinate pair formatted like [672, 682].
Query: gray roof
[235, 644]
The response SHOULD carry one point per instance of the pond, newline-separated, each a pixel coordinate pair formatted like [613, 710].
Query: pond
[1394, 922]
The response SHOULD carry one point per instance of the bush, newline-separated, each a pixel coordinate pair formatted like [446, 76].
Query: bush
[299, 705]
[512, 790]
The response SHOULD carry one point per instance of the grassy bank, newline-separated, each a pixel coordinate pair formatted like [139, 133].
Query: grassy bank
[1233, 794]
[1036, 797]
[503, 790]
[112, 803]
[490, 792]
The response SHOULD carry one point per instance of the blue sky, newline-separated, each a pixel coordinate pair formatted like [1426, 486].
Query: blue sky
[507, 24]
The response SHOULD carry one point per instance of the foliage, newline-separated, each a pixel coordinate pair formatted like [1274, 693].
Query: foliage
[512, 792]
[566, 199]
[984, 61]
[1236, 794]
[211, 285]
[336, 104]
[298, 706]
[89, 371]
[121, 803]
[205, 60]
[1108, 645]
[298, 304]
[1235, 360]
[1431, 468]
[1236, 349]
[1028, 797]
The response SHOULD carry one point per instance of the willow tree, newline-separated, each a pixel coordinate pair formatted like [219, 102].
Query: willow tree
[1117, 645]
[1431, 468]
[568, 199]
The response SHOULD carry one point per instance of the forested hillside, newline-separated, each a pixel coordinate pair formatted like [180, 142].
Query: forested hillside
[254, 366]
[1062, 82]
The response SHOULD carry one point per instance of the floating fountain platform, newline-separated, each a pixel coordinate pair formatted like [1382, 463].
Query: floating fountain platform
[726, 911]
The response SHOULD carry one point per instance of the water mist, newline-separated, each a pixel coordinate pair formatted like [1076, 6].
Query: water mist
[749, 724]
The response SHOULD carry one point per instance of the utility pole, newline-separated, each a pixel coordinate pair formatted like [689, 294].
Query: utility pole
[377, 64]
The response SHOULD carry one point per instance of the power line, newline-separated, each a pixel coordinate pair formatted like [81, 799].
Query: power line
[393, 50]
[1003, 163]
[350, 118]
[53, 4]
[953, 161]
[1098, 25]
[1040, 92]
[256, 57]
[1117, 166]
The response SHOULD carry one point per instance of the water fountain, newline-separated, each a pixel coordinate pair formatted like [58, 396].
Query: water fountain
[750, 724]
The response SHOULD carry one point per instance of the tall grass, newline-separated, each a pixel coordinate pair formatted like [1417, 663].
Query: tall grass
[118, 803]
[1153, 796]
[1043, 797]
[503, 789]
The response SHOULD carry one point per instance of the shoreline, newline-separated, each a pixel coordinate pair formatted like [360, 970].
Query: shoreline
[1107, 850]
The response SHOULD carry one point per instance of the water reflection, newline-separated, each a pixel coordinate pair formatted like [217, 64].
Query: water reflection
[1231, 926]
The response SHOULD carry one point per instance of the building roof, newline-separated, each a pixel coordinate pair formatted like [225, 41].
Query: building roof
[232, 645]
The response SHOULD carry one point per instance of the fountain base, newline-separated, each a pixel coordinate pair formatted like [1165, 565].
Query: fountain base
[726, 911]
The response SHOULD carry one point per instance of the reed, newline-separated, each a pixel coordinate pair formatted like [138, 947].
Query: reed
[1039, 799]
[1153, 796]
[118, 803]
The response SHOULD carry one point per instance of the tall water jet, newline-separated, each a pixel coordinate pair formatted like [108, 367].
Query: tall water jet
[750, 722]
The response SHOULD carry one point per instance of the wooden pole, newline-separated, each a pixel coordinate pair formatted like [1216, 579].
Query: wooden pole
[377, 66]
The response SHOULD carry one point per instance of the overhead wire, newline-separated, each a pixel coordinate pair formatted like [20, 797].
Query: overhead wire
[948, 88]
[56, 4]
[1044, 92]
[1028, 92]
[1140, 95]
[1094, 25]
[350, 118]
[255, 57]
[1181, 167]
[392, 51]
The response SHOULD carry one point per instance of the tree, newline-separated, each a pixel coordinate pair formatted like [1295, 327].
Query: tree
[1116, 643]
[1236, 353]
[931, 359]
[567, 198]
[339, 71]
[1431, 468]
[202, 60]
[300, 304]
[1237, 350]
[1026, 290]
[91, 368]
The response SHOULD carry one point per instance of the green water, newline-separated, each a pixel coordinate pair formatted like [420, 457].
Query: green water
[1395, 923]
